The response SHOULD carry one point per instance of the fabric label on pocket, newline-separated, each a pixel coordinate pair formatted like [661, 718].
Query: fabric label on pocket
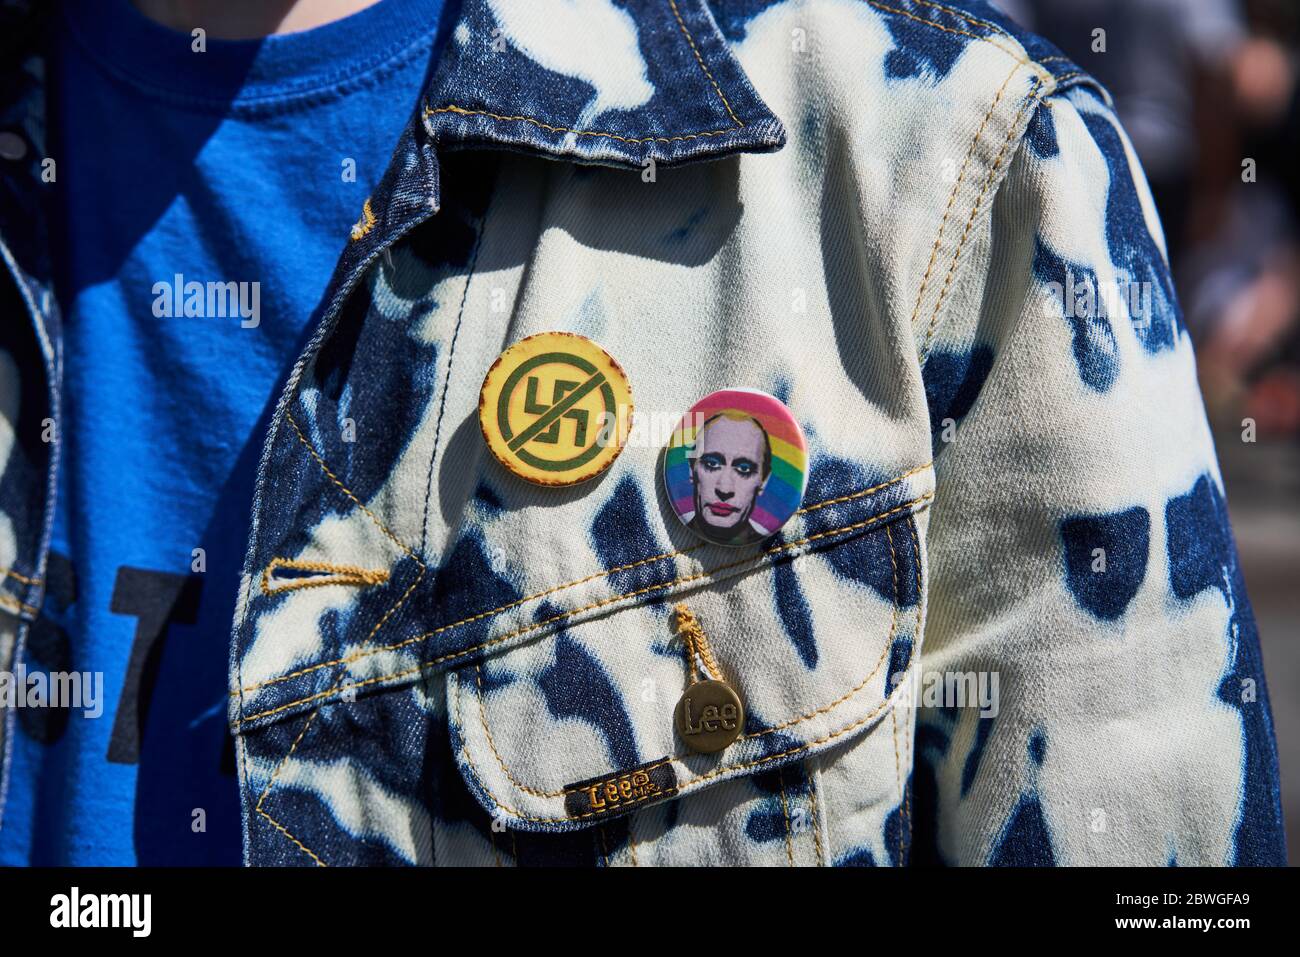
[614, 792]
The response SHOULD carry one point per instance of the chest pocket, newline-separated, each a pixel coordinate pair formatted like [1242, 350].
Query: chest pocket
[573, 726]
[535, 671]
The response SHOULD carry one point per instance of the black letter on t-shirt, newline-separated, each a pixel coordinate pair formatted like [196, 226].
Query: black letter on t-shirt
[156, 599]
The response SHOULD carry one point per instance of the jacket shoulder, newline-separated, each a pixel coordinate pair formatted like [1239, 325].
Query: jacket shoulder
[927, 38]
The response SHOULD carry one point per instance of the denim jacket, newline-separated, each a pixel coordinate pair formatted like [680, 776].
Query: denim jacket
[1006, 626]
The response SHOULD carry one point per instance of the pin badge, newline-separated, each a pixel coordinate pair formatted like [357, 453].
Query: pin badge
[555, 409]
[736, 467]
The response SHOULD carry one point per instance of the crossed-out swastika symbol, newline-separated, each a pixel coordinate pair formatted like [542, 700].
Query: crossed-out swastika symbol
[559, 390]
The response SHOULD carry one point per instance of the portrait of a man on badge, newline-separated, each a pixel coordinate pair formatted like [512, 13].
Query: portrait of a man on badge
[730, 466]
[736, 467]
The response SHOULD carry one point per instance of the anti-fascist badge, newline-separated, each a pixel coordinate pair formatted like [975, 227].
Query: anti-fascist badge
[555, 409]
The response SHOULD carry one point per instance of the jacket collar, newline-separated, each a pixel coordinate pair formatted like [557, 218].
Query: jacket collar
[615, 82]
[610, 82]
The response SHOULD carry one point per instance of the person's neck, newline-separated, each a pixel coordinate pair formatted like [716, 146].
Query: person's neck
[247, 19]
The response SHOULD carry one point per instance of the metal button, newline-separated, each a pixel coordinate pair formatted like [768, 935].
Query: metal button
[709, 716]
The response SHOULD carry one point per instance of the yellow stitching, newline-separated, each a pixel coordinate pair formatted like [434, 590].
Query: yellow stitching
[1023, 60]
[271, 783]
[937, 26]
[671, 792]
[884, 654]
[575, 817]
[323, 582]
[22, 578]
[451, 108]
[348, 492]
[558, 588]
[756, 559]
[337, 575]
[303, 732]
[13, 604]
[785, 810]
[365, 223]
[566, 585]
[458, 654]
[482, 712]
[956, 191]
[700, 60]
[812, 801]
[979, 204]
[804, 747]
[465, 621]
[973, 21]
[677, 790]
[473, 618]
[866, 491]
[462, 111]
[959, 32]
[893, 631]
[405, 595]
[285, 760]
[373, 632]
[1020, 61]
[697, 643]
[285, 831]
[893, 628]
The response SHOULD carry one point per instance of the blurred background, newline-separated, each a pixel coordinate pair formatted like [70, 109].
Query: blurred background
[1208, 92]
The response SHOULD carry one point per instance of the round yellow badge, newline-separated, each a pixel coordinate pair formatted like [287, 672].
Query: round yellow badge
[555, 409]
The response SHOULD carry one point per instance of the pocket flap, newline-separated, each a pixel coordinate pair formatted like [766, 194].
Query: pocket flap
[812, 630]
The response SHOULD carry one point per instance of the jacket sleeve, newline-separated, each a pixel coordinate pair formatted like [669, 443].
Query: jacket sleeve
[1081, 558]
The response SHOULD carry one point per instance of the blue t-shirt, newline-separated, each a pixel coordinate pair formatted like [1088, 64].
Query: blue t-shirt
[206, 196]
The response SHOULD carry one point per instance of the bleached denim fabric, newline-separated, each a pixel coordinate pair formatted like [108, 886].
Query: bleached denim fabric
[888, 215]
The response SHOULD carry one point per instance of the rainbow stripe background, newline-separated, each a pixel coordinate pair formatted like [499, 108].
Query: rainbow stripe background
[785, 488]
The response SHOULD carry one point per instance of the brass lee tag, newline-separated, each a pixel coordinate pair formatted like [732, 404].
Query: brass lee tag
[709, 716]
[632, 788]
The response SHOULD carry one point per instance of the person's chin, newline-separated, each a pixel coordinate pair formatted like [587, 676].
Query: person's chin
[724, 524]
[736, 532]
